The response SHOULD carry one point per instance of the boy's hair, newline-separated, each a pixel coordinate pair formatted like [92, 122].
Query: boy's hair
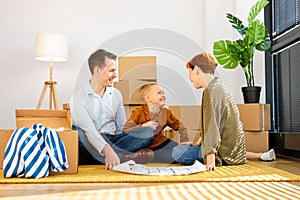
[98, 59]
[145, 89]
[205, 61]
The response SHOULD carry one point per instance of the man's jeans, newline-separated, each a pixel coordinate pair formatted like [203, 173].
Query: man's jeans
[123, 143]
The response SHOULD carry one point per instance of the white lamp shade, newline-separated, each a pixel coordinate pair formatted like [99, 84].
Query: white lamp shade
[51, 47]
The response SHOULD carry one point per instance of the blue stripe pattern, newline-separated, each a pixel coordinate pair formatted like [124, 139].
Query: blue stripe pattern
[30, 151]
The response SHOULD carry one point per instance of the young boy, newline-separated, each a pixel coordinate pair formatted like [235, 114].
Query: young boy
[153, 114]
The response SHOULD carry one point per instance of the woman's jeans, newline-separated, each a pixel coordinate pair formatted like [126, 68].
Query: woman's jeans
[163, 152]
[187, 155]
[123, 143]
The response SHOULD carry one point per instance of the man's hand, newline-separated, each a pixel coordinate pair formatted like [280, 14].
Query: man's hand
[210, 162]
[111, 158]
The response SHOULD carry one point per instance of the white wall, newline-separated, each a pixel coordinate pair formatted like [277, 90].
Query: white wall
[91, 24]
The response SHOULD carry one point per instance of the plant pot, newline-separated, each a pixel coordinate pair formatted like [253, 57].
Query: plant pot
[251, 94]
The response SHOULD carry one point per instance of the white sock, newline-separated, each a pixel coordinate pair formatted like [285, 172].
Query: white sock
[268, 156]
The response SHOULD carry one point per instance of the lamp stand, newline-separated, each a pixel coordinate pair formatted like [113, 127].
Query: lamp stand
[53, 97]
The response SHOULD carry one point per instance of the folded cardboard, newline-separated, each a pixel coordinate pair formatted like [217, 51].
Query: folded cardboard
[255, 117]
[137, 67]
[257, 141]
[189, 115]
[194, 135]
[130, 90]
[55, 119]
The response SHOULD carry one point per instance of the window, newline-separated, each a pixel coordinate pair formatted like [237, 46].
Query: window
[286, 88]
[285, 15]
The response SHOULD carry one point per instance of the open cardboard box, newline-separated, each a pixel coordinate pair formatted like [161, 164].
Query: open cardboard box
[52, 119]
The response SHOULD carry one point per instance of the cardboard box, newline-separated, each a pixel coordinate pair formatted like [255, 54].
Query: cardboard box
[54, 119]
[257, 141]
[189, 115]
[194, 134]
[130, 90]
[4, 138]
[255, 117]
[137, 67]
[128, 110]
[69, 139]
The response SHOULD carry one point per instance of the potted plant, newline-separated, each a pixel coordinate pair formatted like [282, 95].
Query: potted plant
[240, 52]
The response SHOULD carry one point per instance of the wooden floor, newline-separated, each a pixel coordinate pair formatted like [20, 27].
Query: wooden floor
[127, 190]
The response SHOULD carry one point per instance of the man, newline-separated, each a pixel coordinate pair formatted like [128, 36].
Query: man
[98, 115]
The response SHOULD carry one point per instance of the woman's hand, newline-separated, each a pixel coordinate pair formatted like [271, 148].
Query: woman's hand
[151, 124]
[210, 162]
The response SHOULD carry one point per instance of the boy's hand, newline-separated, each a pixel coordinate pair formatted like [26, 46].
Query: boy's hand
[151, 124]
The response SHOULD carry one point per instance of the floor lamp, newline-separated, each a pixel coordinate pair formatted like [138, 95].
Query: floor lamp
[50, 47]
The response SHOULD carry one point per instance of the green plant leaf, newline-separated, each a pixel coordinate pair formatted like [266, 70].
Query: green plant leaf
[256, 32]
[223, 54]
[236, 23]
[265, 44]
[241, 51]
[255, 10]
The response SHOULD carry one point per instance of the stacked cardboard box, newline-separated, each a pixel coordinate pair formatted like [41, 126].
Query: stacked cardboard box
[190, 117]
[134, 72]
[49, 118]
[256, 122]
[137, 67]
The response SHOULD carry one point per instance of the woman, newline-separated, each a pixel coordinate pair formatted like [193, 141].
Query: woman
[222, 136]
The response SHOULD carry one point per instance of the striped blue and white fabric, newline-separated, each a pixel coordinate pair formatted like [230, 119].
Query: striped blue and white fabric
[30, 151]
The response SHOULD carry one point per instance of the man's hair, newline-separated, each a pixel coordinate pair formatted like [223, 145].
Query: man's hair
[146, 88]
[98, 59]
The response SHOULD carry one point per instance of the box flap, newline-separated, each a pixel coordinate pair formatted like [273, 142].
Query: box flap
[49, 118]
